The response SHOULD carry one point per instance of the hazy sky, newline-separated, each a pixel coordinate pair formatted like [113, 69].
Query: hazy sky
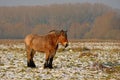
[112, 3]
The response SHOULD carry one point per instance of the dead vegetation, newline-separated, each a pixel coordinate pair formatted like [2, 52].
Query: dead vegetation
[79, 61]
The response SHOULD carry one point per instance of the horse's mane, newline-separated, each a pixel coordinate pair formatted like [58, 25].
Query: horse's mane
[55, 31]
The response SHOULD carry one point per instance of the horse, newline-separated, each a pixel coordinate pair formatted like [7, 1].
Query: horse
[47, 44]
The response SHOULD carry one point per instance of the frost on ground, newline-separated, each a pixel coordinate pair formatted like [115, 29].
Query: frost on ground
[79, 61]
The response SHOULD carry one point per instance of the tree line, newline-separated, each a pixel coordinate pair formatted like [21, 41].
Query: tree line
[81, 20]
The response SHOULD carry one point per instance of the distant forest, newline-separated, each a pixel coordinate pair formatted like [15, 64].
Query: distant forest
[81, 20]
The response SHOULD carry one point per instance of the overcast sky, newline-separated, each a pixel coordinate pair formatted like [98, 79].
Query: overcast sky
[112, 3]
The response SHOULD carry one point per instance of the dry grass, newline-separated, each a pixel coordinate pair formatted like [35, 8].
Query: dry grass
[79, 61]
[11, 41]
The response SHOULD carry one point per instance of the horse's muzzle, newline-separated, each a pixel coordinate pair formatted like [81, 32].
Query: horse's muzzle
[66, 45]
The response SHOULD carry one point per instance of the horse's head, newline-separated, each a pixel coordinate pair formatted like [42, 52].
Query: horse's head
[63, 38]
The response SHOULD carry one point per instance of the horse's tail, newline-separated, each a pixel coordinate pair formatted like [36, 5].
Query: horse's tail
[28, 40]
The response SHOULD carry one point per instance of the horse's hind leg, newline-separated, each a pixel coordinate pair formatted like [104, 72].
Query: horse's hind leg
[30, 55]
[32, 64]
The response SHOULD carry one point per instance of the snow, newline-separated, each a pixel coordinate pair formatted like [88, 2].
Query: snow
[67, 65]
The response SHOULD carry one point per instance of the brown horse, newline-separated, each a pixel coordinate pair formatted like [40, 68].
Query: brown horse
[47, 44]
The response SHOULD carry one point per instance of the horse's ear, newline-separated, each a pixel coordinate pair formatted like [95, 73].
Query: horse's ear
[62, 30]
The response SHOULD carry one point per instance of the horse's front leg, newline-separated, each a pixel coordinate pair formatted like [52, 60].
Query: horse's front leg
[46, 63]
[52, 54]
[46, 60]
[50, 62]
[49, 59]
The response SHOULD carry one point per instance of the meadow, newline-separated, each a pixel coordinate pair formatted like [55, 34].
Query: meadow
[81, 60]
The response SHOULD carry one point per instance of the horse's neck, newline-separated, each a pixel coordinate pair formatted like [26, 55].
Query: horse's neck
[54, 38]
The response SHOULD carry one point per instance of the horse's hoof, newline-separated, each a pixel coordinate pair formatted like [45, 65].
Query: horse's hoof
[31, 65]
[47, 67]
[50, 67]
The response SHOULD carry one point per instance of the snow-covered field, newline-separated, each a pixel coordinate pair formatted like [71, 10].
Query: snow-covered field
[79, 61]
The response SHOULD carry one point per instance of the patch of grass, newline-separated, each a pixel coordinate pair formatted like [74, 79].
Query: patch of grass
[85, 49]
[22, 70]
[88, 54]
[96, 49]
[4, 50]
[77, 49]
[116, 50]
[111, 67]
[1, 64]
[60, 50]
